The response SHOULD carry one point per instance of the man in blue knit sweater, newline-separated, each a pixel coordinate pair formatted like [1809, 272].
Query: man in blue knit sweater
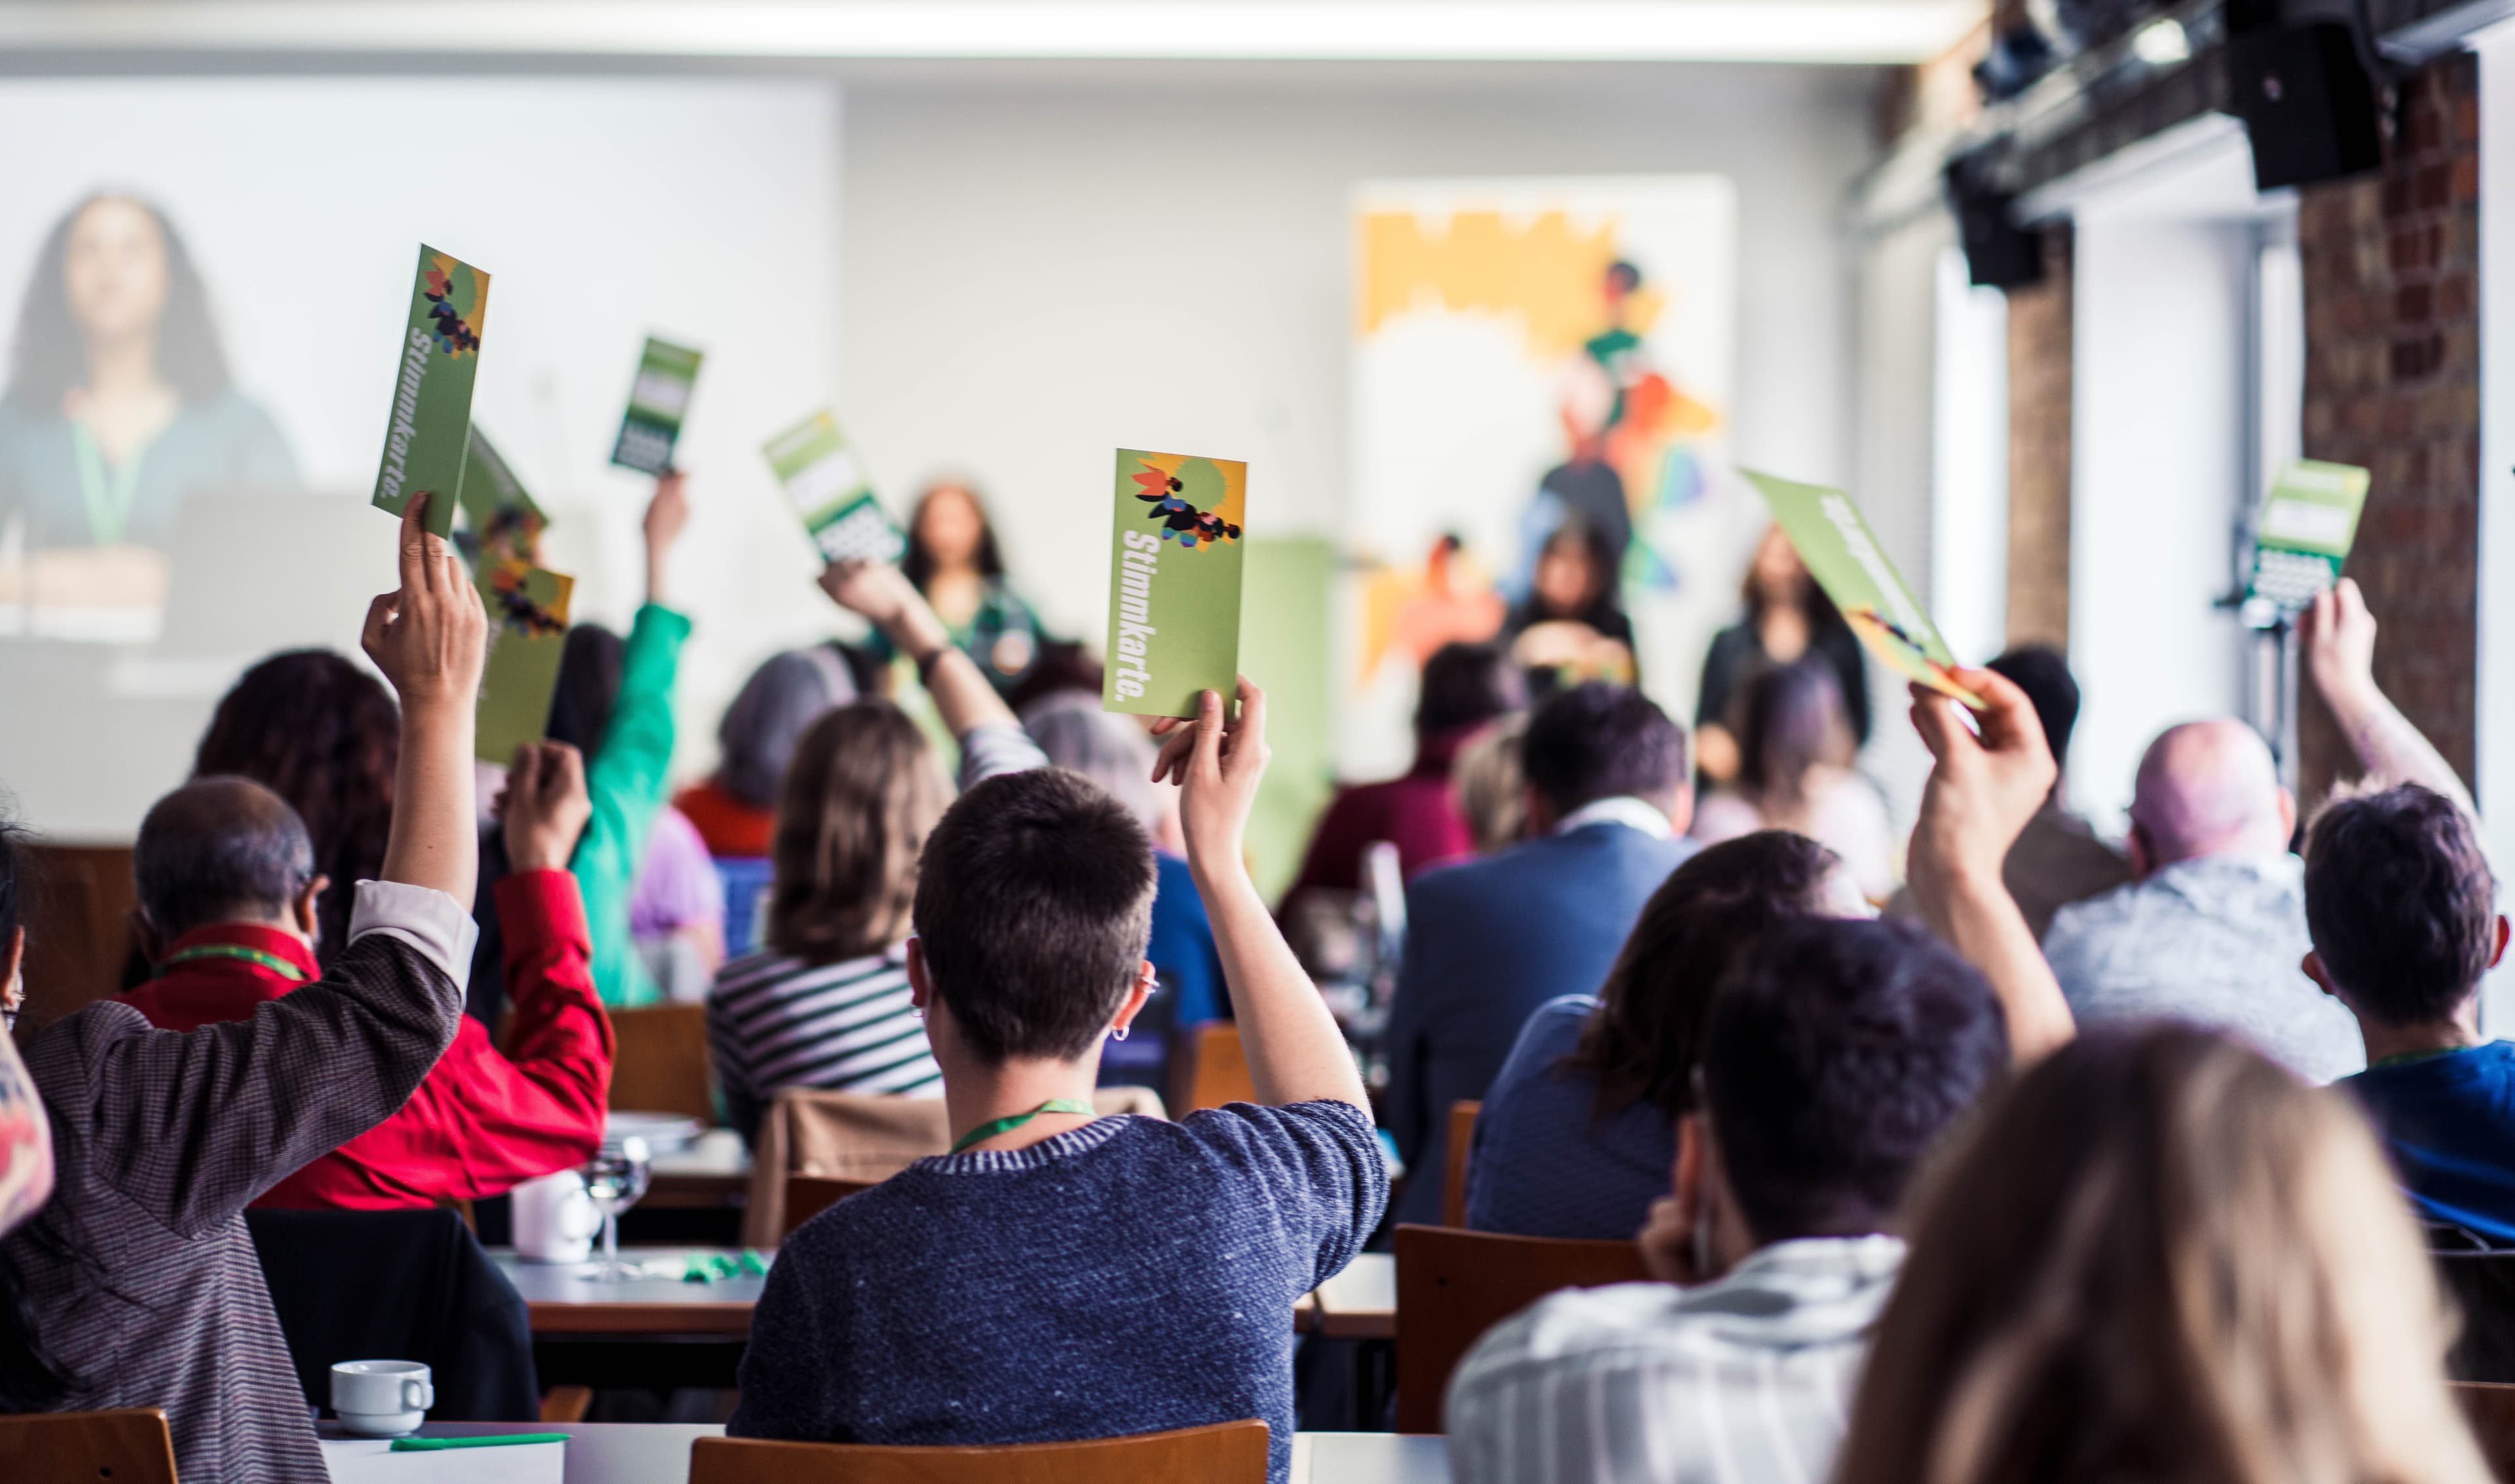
[1058, 1276]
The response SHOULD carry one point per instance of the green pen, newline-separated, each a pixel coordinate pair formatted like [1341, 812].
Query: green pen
[484, 1440]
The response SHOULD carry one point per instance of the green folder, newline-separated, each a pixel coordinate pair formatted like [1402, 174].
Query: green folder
[1834, 539]
[658, 400]
[505, 524]
[429, 434]
[528, 636]
[828, 486]
[2305, 530]
[1174, 555]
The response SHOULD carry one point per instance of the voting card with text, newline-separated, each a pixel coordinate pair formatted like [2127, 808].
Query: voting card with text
[1845, 557]
[2307, 523]
[658, 400]
[429, 434]
[1173, 582]
[527, 639]
[830, 493]
[502, 523]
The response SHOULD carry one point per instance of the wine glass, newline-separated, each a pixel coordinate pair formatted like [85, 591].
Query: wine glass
[616, 1177]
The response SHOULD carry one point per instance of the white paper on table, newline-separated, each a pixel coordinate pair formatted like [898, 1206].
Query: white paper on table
[372, 1460]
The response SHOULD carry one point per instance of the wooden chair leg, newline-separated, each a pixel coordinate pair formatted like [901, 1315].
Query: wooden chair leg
[566, 1404]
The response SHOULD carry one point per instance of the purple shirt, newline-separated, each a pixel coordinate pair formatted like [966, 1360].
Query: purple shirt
[678, 885]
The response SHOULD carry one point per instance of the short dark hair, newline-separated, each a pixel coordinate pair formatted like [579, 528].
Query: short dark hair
[2400, 903]
[1034, 905]
[1597, 740]
[2044, 676]
[1467, 686]
[219, 850]
[1835, 1057]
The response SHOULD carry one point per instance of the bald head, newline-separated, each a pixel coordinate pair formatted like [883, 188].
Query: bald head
[221, 850]
[2208, 788]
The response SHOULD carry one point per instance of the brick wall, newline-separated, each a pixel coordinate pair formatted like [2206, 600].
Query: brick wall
[2039, 451]
[2392, 381]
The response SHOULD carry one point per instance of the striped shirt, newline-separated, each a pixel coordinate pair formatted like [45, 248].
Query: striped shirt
[776, 1022]
[1746, 1380]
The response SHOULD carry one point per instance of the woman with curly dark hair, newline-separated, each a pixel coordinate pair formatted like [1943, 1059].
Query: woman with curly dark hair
[325, 735]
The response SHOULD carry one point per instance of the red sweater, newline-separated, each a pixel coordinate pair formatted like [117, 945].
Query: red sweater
[1415, 812]
[483, 1122]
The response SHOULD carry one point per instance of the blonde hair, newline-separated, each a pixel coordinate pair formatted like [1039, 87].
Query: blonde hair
[862, 795]
[2161, 1258]
[1489, 789]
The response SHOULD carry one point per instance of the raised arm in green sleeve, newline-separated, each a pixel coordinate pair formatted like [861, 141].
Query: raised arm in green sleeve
[626, 780]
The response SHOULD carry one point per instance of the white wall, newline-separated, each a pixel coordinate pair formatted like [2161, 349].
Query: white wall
[1038, 274]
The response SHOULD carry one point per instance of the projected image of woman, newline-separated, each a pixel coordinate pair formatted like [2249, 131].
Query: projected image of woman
[118, 405]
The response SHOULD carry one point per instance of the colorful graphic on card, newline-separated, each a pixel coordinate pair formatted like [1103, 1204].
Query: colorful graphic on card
[659, 400]
[828, 486]
[528, 639]
[1174, 560]
[1845, 557]
[2306, 527]
[428, 435]
[503, 523]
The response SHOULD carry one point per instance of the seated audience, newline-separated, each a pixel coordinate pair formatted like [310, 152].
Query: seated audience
[322, 734]
[137, 1285]
[1465, 690]
[2059, 859]
[2212, 927]
[676, 910]
[2159, 1256]
[1059, 1276]
[26, 1137]
[1833, 1057]
[1488, 941]
[1576, 1134]
[1115, 753]
[1489, 789]
[2402, 909]
[1795, 772]
[827, 1003]
[735, 810]
[226, 892]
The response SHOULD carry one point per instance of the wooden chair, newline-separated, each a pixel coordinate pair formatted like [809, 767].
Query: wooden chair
[128, 1446]
[1209, 1069]
[662, 1064]
[2490, 1408]
[566, 1404]
[1453, 1286]
[808, 1195]
[1454, 1167]
[1227, 1452]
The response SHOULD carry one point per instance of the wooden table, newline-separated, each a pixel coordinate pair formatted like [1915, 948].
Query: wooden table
[1360, 1302]
[565, 1302]
[712, 1172]
[659, 1453]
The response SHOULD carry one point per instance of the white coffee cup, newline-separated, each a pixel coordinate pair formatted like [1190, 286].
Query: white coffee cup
[555, 1220]
[382, 1398]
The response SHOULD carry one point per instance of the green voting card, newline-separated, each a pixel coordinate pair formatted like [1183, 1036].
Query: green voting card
[1845, 559]
[658, 400]
[430, 434]
[1173, 582]
[528, 636]
[505, 523]
[2307, 525]
[830, 493]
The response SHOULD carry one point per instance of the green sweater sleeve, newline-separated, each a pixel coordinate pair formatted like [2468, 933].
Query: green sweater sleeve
[626, 782]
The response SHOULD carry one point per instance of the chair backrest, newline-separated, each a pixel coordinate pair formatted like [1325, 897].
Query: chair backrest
[1209, 1069]
[1453, 1166]
[856, 1140]
[661, 1065]
[2490, 1408]
[1227, 1452]
[1453, 1286]
[413, 1284]
[130, 1445]
[2482, 1284]
[808, 1195]
[79, 936]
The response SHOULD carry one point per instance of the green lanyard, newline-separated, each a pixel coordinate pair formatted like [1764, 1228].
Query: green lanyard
[254, 956]
[987, 1130]
[107, 496]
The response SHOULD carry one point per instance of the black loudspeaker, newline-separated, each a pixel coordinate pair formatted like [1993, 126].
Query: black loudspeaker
[2307, 102]
[1998, 253]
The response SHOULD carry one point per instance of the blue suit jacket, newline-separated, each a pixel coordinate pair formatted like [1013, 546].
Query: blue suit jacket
[1487, 942]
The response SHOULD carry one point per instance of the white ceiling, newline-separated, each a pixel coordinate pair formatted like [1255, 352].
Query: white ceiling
[37, 36]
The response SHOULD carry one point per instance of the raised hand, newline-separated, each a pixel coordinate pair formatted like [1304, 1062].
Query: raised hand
[2337, 637]
[429, 636]
[668, 515]
[1218, 764]
[1984, 787]
[545, 807]
[877, 590]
